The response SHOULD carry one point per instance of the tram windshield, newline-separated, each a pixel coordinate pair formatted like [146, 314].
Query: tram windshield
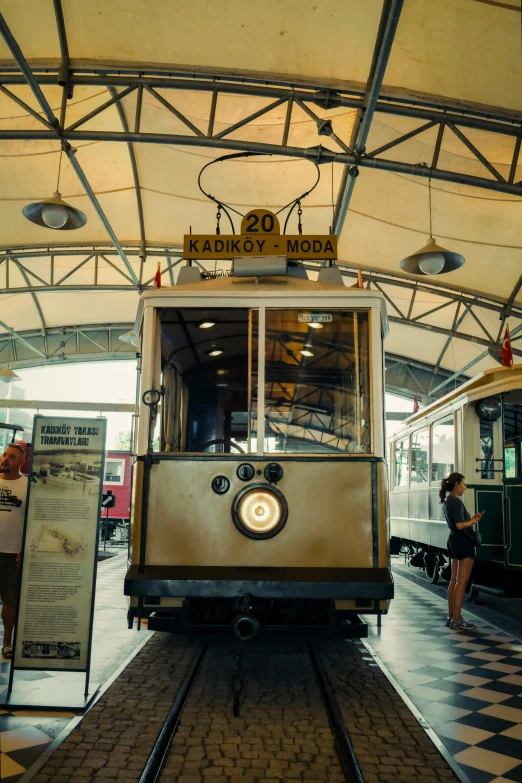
[314, 368]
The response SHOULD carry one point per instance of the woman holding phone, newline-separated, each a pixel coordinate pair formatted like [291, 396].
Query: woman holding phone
[461, 546]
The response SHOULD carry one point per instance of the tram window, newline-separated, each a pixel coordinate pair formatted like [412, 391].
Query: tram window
[511, 461]
[205, 376]
[317, 382]
[420, 442]
[402, 465]
[442, 449]
[486, 450]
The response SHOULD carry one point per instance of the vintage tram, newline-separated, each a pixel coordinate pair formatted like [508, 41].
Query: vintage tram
[260, 487]
[477, 431]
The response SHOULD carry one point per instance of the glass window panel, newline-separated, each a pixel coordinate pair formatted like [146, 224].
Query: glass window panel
[402, 467]
[511, 461]
[114, 471]
[442, 449]
[317, 382]
[420, 442]
[486, 450]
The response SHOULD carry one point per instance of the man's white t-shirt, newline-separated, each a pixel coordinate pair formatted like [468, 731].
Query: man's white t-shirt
[12, 512]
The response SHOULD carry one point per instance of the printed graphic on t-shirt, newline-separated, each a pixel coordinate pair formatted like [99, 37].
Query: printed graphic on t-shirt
[9, 500]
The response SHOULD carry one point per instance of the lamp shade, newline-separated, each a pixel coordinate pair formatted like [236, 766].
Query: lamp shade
[8, 376]
[432, 259]
[55, 213]
[129, 337]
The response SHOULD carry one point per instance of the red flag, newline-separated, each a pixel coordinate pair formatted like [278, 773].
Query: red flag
[506, 353]
[415, 404]
[157, 277]
[359, 283]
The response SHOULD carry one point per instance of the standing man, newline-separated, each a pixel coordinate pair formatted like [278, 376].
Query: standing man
[13, 491]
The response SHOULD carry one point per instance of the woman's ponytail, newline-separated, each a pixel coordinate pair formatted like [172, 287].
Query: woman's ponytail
[448, 485]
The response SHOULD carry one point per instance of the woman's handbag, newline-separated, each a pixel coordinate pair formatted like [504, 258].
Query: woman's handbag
[474, 535]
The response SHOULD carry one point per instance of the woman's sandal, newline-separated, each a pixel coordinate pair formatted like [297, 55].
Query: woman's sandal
[7, 651]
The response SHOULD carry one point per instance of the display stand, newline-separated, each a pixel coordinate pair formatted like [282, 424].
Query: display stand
[54, 623]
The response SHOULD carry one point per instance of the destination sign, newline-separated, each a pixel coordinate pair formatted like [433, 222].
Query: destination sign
[227, 246]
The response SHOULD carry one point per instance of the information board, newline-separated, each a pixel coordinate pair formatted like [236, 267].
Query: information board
[60, 547]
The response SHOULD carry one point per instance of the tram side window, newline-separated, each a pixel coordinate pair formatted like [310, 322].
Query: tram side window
[442, 449]
[401, 463]
[486, 450]
[420, 442]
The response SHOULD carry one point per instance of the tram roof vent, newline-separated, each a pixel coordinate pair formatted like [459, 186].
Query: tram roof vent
[260, 266]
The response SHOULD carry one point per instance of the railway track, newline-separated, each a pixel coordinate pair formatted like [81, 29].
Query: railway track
[306, 660]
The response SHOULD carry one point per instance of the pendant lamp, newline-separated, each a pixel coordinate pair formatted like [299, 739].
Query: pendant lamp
[8, 376]
[129, 337]
[54, 212]
[432, 259]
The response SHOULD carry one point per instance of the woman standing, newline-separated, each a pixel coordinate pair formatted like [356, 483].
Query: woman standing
[461, 546]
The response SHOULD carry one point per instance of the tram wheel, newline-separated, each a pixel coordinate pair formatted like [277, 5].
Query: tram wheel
[431, 566]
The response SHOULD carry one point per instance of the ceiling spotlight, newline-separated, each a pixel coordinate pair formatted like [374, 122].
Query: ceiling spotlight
[129, 337]
[315, 325]
[306, 352]
[206, 324]
[8, 376]
[215, 352]
[432, 259]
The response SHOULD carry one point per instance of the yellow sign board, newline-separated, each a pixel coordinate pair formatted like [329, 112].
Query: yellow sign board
[260, 237]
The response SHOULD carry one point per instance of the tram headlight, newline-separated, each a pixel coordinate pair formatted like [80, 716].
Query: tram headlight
[259, 511]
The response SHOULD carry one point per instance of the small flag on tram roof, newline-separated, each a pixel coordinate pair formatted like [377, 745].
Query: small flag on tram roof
[157, 277]
[359, 283]
[415, 404]
[506, 352]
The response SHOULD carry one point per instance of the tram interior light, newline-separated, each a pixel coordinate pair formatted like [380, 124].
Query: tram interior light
[315, 326]
[307, 352]
[206, 324]
[215, 352]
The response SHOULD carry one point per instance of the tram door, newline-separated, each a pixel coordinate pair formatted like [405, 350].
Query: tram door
[513, 479]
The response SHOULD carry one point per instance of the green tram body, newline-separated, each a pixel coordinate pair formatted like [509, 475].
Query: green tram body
[455, 434]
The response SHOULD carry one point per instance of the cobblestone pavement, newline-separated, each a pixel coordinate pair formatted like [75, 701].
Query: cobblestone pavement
[114, 739]
[389, 743]
[282, 732]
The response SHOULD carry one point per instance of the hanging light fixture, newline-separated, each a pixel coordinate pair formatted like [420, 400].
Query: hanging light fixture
[55, 212]
[432, 259]
[129, 337]
[8, 376]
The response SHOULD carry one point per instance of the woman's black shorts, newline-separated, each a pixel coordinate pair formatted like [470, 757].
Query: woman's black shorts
[460, 546]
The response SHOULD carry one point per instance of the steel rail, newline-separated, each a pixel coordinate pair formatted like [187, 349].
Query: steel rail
[343, 743]
[153, 768]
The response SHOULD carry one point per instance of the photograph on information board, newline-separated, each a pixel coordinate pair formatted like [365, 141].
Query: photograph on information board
[60, 544]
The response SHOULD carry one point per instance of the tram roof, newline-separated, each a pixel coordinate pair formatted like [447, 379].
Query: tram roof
[458, 58]
[231, 289]
[490, 382]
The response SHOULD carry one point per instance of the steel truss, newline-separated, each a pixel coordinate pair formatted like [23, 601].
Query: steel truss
[374, 100]
[466, 308]
[99, 342]
[74, 343]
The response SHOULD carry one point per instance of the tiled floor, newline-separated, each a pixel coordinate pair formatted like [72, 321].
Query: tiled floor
[25, 735]
[466, 685]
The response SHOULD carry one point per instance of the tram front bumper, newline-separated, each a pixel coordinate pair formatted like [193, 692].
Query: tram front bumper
[259, 582]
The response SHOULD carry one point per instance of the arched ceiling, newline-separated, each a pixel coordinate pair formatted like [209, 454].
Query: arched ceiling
[395, 91]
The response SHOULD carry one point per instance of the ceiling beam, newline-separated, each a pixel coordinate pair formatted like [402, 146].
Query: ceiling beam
[391, 12]
[58, 133]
